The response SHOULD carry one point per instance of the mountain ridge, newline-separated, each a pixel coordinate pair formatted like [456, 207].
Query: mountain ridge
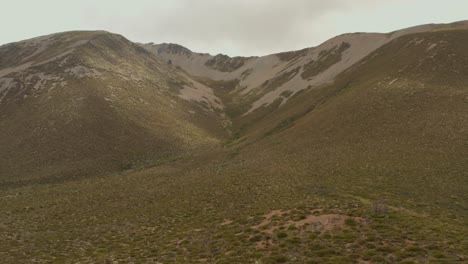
[227, 98]
[252, 72]
[75, 107]
[424, 27]
[352, 152]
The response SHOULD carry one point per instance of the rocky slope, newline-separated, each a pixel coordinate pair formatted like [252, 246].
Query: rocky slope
[262, 81]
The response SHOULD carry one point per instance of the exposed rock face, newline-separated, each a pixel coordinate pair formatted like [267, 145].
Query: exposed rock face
[224, 63]
[172, 48]
[318, 65]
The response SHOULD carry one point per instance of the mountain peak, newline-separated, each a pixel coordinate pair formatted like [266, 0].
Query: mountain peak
[170, 48]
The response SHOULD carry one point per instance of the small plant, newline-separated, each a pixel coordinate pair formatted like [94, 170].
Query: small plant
[278, 259]
[256, 238]
[281, 235]
[350, 222]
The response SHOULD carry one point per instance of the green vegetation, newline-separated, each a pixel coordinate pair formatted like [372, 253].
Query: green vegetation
[369, 169]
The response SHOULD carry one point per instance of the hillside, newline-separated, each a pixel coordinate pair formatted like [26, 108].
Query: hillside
[89, 103]
[350, 152]
[258, 82]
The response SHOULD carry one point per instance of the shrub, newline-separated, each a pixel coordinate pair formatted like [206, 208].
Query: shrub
[282, 235]
[256, 238]
[350, 222]
[278, 259]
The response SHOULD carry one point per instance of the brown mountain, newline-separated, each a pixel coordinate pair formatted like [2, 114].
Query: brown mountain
[353, 151]
[82, 103]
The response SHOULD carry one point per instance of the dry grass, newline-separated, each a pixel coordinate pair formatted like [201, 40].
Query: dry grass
[368, 170]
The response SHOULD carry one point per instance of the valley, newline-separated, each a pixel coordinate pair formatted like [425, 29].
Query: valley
[354, 151]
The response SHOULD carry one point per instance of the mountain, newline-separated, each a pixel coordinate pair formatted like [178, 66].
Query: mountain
[353, 151]
[258, 82]
[84, 103]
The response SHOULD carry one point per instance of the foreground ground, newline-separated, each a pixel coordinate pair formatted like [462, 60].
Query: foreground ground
[224, 208]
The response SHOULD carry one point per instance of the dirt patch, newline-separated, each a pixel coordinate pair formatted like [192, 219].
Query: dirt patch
[323, 222]
[268, 217]
[265, 244]
[226, 222]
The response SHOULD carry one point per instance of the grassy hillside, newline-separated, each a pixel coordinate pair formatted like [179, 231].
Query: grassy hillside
[106, 105]
[368, 169]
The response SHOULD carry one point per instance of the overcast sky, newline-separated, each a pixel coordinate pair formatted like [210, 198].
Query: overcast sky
[233, 27]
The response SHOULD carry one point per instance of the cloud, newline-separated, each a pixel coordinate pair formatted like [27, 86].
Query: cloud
[247, 27]
[233, 27]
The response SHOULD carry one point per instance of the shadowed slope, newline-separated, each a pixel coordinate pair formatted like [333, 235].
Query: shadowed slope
[102, 104]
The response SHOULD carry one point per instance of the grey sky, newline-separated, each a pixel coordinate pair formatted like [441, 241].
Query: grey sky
[238, 27]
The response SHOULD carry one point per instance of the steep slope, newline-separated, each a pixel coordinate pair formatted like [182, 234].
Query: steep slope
[369, 167]
[389, 134]
[398, 116]
[85, 103]
[256, 85]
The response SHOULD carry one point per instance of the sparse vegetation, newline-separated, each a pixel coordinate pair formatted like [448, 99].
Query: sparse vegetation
[359, 170]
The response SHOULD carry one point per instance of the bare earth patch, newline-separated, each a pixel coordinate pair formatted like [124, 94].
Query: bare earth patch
[279, 219]
[264, 244]
[226, 222]
[268, 217]
[323, 222]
